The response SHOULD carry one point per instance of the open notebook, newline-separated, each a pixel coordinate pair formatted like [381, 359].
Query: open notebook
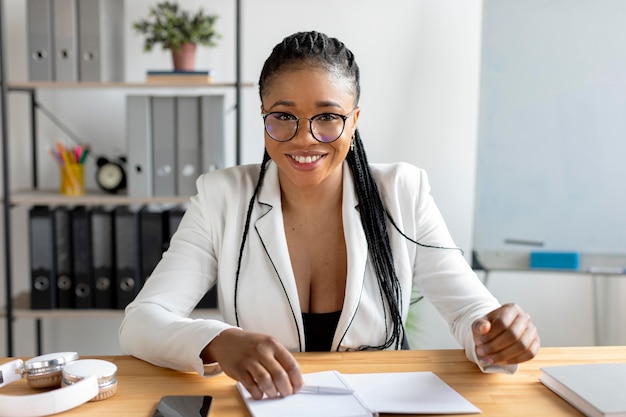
[394, 392]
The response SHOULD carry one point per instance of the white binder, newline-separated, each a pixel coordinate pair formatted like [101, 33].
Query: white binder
[212, 131]
[163, 145]
[65, 29]
[188, 144]
[39, 22]
[139, 145]
[101, 40]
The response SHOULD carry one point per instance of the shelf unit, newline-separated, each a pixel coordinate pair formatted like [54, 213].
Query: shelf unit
[35, 196]
[52, 197]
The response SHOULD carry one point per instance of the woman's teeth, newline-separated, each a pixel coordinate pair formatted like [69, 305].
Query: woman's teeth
[306, 159]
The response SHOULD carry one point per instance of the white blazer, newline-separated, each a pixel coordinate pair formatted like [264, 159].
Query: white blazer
[205, 248]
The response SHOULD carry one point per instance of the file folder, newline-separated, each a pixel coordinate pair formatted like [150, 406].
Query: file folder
[188, 144]
[42, 273]
[103, 257]
[212, 131]
[127, 254]
[82, 252]
[40, 56]
[152, 239]
[65, 29]
[164, 145]
[139, 145]
[63, 252]
[101, 40]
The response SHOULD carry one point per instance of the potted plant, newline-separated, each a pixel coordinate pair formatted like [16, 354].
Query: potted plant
[179, 31]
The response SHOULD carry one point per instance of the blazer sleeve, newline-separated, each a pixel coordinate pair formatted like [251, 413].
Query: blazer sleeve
[156, 326]
[444, 277]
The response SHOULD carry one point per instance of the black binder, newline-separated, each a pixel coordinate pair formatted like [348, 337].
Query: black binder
[81, 252]
[152, 239]
[41, 234]
[63, 248]
[103, 259]
[174, 216]
[127, 255]
[209, 300]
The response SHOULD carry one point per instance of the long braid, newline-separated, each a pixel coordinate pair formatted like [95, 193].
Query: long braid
[374, 220]
[246, 228]
[316, 49]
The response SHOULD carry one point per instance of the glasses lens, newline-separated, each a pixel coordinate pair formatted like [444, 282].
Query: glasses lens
[281, 126]
[327, 127]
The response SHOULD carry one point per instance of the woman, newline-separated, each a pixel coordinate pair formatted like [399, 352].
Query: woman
[314, 249]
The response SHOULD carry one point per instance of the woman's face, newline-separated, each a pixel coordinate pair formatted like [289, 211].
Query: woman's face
[303, 161]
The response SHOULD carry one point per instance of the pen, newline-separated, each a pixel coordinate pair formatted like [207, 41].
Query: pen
[317, 389]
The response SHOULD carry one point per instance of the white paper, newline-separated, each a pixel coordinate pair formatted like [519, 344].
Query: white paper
[309, 405]
[394, 392]
[409, 393]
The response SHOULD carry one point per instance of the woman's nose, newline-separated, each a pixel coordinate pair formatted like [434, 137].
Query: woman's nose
[304, 130]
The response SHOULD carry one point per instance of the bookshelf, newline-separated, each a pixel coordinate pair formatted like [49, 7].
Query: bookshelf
[14, 306]
[91, 198]
[39, 85]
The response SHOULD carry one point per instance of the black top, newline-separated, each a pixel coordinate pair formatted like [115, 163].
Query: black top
[319, 329]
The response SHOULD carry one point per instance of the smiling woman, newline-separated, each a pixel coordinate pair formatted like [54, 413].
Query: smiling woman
[324, 255]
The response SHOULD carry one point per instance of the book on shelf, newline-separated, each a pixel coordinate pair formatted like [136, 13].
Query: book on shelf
[179, 77]
[366, 395]
[596, 390]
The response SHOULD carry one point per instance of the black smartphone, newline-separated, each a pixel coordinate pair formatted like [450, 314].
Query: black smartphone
[183, 406]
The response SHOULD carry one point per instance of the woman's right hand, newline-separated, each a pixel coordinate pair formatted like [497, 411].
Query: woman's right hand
[261, 363]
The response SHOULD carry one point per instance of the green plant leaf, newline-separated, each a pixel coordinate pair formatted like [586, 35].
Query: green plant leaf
[169, 26]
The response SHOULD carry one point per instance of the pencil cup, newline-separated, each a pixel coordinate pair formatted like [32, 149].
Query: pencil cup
[72, 179]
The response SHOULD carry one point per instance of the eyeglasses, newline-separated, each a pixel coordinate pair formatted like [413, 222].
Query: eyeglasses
[325, 127]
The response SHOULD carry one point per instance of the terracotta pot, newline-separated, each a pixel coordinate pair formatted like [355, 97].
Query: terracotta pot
[185, 57]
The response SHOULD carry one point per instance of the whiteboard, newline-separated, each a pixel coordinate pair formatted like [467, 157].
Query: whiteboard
[551, 167]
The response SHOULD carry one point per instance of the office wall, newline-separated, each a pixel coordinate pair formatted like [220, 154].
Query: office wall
[419, 62]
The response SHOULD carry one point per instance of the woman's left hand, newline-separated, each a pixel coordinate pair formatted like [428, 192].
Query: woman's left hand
[505, 336]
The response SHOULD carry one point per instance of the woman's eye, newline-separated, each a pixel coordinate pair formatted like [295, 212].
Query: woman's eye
[284, 116]
[326, 117]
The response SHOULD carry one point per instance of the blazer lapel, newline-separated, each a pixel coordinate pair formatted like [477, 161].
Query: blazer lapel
[356, 246]
[271, 231]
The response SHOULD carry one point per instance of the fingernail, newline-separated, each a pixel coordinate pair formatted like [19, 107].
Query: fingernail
[486, 361]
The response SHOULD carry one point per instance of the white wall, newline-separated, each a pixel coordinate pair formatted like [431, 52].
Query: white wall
[419, 61]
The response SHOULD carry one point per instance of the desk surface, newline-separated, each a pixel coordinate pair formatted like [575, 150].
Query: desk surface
[141, 385]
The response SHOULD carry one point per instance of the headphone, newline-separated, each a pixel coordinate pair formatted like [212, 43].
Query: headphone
[82, 380]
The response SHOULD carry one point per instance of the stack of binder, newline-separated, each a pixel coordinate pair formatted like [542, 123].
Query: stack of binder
[171, 140]
[75, 40]
[97, 257]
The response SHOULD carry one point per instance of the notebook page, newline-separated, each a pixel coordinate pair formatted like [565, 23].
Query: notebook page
[309, 405]
[409, 393]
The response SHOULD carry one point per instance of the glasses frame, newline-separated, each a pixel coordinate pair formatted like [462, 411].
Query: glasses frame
[343, 117]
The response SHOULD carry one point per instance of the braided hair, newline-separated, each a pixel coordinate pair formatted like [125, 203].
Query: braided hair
[318, 50]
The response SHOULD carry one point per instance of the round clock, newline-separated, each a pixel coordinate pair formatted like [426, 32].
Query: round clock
[110, 175]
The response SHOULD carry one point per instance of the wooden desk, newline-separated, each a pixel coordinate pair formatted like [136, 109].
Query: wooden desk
[140, 384]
